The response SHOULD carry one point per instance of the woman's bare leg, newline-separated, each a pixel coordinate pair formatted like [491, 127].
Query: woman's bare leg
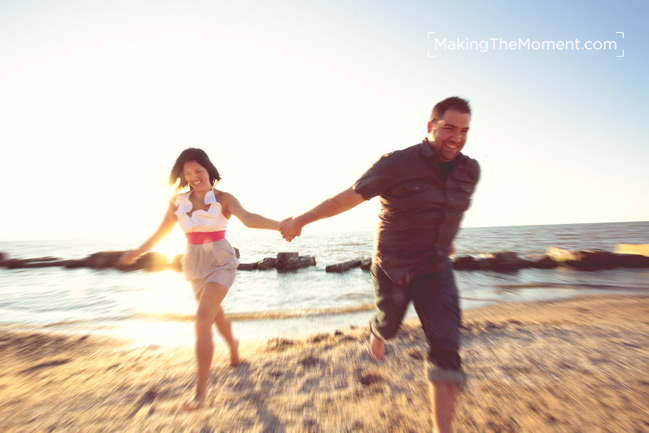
[208, 306]
[225, 329]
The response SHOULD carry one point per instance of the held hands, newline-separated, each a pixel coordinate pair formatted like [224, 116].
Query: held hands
[129, 257]
[290, 229]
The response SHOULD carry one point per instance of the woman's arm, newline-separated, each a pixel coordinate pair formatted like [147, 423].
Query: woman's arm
[166, 226]
[251, 220]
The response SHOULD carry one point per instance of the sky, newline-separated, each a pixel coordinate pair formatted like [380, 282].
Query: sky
[293, 101]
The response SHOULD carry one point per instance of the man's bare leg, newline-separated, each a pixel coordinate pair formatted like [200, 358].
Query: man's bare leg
[377, 347]
[443, 405]
[225, 329]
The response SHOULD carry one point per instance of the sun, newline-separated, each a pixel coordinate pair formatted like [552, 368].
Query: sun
[172, 245]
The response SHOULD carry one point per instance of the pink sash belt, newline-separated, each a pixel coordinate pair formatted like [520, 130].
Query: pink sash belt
[198, 238]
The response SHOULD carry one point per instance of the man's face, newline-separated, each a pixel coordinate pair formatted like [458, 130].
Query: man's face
[448, 134]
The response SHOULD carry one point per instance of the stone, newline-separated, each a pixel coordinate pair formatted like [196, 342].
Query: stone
[508, 261]
[636, 249]
[632, 261]
[299, 262]
[542, 261]
[584, 259]
[11, 263]
[282, 259]
[561, 255]
[266, 263]
[74, 264]
[103, 259]
[366, 263]
[484, 263]
[344, 267]
[247, 266]
[286, 255]
[633, 255]
[464, 263]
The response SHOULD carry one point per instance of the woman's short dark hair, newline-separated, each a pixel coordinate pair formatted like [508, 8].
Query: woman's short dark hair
[196, 155]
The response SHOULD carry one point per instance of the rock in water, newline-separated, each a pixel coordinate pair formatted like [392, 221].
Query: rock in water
[639, 249]
[585, 259]
[267, 263]
[283, 258]
[464, 263]
[343, 267]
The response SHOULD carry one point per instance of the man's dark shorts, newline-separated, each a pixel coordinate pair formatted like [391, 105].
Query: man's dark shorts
[435, 298]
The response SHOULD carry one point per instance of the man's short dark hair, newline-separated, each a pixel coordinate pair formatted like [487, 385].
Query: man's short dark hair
[453, 103]
[196, 155]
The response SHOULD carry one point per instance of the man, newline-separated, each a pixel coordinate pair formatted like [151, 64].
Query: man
[424, 191]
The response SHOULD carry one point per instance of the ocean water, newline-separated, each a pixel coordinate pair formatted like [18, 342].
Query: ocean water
[158, 307]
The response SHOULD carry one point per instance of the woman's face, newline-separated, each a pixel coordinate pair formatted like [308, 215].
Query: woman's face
[197, 176]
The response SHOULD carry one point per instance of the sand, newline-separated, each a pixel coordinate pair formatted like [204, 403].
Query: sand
[580, 365]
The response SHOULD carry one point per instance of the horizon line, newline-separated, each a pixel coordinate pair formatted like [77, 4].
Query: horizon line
[267, 233]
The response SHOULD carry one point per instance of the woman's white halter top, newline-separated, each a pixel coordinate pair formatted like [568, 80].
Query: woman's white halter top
[211, 220]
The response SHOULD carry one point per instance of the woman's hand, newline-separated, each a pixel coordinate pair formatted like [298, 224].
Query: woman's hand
[167, 224]
[290, 229]
[129, 257]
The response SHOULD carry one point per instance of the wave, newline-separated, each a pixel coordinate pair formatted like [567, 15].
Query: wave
[65, 323]
[574, 286]
[281, 314]
[265, 315]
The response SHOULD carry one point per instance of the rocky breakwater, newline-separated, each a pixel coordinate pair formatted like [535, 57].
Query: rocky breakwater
[625, 255]
[598, 259]
[504, 261]
[286, 261]
[151, 261]
[364, 263]
[588, 259]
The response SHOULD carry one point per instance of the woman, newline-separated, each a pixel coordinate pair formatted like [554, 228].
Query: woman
[209, 263]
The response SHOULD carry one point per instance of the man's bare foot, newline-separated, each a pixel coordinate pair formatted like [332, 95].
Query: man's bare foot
[234, 354]
[194, 403]
[377, 347]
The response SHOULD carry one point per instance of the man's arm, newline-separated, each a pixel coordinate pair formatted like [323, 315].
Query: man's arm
[331, 207]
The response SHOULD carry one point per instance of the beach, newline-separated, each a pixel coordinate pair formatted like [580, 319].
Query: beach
[561, 366]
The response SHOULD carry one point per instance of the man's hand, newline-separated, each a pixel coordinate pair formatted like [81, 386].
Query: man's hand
[290, 228]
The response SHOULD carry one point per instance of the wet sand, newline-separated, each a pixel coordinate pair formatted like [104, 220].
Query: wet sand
[580, 365]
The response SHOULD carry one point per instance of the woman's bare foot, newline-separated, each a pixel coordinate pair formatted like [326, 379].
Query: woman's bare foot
[194, 403]
[234, 354]
[377, 347]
